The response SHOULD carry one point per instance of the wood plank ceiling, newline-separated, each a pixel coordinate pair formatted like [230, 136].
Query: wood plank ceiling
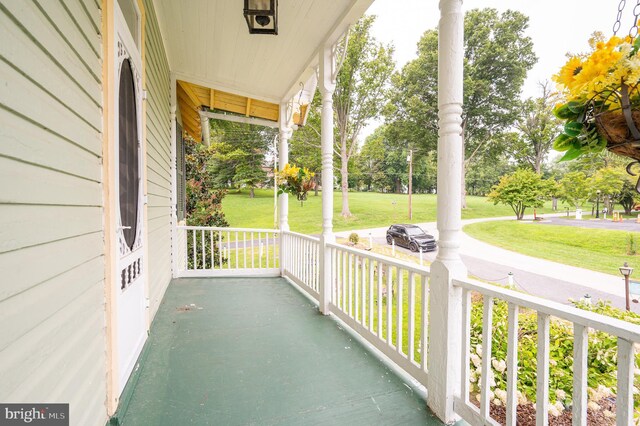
[211, 52]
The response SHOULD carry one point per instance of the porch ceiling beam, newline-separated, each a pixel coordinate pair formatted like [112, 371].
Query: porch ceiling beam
[212, 98]
[248, 107]
[237, 119]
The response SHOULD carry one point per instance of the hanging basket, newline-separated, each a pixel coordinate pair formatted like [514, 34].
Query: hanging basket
[620, 126]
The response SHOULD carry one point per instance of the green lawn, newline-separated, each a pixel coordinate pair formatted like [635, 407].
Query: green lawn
[596, 249]
[369, 209]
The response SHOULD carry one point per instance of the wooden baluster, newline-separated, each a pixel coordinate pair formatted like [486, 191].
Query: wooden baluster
[487, 323]
[542, 371]
[512, 364]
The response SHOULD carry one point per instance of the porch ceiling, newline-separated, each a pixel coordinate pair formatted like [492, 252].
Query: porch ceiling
[208, 44]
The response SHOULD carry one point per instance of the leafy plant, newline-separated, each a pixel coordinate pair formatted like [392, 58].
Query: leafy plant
[295, 181]
[602, 358]
[593, 82]
[354, 238]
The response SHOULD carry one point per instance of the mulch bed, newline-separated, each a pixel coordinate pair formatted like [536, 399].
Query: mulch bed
[526, 415]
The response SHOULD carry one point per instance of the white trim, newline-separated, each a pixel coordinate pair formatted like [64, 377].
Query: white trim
[238, 119]
[613, 326]
[244, 273]
[174, 178]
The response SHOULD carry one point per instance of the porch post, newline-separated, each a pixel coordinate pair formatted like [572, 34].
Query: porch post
[327, 87]
[283, 158]
[174, 180]
[446, 300]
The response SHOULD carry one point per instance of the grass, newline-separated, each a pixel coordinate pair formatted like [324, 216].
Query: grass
[369, 209]
[600, 250]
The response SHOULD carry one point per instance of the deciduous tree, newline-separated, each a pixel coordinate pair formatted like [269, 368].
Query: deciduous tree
[360, 93]
[520, 190]
[497, 57]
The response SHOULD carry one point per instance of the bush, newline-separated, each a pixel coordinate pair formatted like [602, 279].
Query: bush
[354, 238]
[602, 359]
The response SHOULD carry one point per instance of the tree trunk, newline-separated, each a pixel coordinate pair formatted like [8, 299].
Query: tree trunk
[251, 192]
[344, 171]
[317, 178]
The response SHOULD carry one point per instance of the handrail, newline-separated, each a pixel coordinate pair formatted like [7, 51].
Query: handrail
[222, 228]
[614, 326]
[303, 236]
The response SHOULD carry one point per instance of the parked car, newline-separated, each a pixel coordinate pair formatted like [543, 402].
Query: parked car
[411, 237]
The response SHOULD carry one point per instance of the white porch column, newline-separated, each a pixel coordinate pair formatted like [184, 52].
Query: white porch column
[445, 300]
[174, 181]
[283, 158]
[327, 87]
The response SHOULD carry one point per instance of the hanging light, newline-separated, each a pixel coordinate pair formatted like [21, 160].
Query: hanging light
[261, 16]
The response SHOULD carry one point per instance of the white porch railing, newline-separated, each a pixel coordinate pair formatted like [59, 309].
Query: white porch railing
[627, 335]
[384, 300]
[301, 261]
[217, 252]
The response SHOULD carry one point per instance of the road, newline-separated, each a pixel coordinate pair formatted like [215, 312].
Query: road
[539, 277]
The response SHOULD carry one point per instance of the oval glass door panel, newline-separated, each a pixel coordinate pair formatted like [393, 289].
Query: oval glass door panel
[128, 151]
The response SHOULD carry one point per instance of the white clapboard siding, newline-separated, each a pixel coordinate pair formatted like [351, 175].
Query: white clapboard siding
[48, 41]
[52, 312]
[22, 139]
[158, 133]
[32, 225]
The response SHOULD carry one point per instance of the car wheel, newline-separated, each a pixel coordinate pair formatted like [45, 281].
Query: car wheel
[413, 247]
[389, 239]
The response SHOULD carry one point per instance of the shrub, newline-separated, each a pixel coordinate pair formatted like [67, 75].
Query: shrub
[354, 238]
[602, 358]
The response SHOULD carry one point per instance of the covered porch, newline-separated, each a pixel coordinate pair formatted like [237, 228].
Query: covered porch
[256, 351]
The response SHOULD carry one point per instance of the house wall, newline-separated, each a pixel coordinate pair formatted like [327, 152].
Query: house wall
[158, 85]
[52, 312]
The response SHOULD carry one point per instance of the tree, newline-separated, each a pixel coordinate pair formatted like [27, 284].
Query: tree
[537, 127]
[360, 93]
[574, 189]
[204, 199]
[628, 196]
[520, 190]
[610, 182]
[497, 58]
[239, 154]
[371, 160]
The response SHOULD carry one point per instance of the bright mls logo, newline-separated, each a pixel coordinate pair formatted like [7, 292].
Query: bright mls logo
[34, 414]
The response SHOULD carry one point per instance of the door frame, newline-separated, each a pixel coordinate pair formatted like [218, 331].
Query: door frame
[109, 139]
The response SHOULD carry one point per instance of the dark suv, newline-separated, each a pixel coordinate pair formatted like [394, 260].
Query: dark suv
[412, 237]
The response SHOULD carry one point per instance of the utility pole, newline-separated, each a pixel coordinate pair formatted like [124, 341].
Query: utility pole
[410, 160]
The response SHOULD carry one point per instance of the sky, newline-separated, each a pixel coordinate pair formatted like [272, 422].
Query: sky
[555, 26]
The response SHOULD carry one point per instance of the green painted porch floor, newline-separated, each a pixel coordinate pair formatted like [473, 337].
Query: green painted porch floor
[257, 352]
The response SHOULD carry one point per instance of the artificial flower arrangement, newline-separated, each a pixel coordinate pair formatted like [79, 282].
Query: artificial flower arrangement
[601, 106]
[295, 181]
